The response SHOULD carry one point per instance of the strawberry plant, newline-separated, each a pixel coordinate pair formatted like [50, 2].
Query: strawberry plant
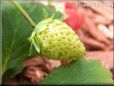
[31, 29]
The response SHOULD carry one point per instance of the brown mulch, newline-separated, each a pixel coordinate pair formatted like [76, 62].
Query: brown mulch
[35, 70]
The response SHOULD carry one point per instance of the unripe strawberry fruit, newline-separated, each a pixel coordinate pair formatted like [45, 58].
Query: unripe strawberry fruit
[56, 40]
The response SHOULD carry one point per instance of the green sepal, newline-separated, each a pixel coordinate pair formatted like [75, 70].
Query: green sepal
[32, 51]
[42, 25]
[35, 45]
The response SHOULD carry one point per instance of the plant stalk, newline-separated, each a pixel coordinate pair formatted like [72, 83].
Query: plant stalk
[24, 13]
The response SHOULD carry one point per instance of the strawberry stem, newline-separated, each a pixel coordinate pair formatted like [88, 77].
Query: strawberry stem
[24, 13]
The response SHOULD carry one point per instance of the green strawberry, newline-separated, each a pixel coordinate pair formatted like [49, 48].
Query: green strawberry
[56, 40]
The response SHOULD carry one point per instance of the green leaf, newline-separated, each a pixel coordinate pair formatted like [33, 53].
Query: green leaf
[16, 32]
[58, 15]
[14, 39]
[80, 72]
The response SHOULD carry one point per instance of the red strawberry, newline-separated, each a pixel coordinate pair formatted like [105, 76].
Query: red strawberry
[70, 8]
[75, 15]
